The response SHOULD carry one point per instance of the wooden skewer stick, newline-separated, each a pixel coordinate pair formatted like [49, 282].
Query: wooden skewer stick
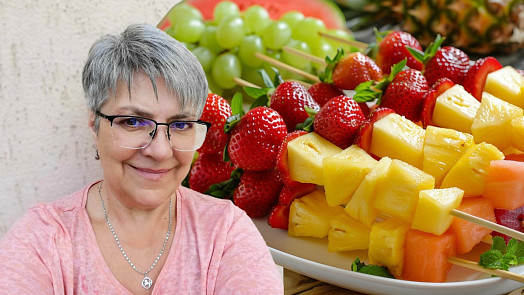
[488, 224]
[244, 83]
[284, 66]
[357, 44]
[305, 55]
[475, 266]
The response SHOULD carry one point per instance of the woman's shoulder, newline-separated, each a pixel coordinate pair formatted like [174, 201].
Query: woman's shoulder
[195, 203]
[195, 198]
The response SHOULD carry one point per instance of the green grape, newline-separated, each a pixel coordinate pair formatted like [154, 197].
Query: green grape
[246, 51]
[256, 19]
[226, 67]
[213, 87]
[252, 75]
[344, 35]
[209, 39]
[287, 75]
[225, 9]
[292, 18]
[322, 49]
[307, 30]
[230, 31]
[293, 59]
[183, 11]
[189, 46]
[276, 35]
[205, 56]
[189, 30]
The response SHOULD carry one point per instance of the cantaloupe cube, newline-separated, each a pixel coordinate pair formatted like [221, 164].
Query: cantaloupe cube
[396, 137]
[517, 133]
[426, 256]
[469, 173]
[506, 84]
[492, 124]
[398, 196]
[343, 173]
[469, 234]
[433, 207]
[347, 234]
[386, 244]
[360, 207]
[305, 156]
[455, 108]
[505, 184]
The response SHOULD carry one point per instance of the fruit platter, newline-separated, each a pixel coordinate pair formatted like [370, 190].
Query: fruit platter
[387, 159]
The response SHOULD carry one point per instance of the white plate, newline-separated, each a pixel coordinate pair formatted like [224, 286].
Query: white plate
[309, 256]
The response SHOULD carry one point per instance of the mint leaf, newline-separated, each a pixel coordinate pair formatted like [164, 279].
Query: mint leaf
[498, 244]
[371, 269]
[491, 259]
[520, 252]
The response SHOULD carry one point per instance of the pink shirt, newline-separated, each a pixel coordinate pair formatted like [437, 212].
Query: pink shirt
[216, 250]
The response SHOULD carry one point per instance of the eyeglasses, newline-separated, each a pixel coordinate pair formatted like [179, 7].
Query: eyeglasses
[134, 132]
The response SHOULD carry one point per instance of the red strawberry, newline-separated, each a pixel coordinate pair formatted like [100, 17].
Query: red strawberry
[392, 49]
[289, 100]
[430, 99]
[405, 94]
[365, 108]
[322, 92]
[449, 62]
[216, 111]
[510, 218]
[208, 169]
[255, 140]
[279, 217]
[257, 192]
[338, 121]
[363, 139]
[282, 168]
[475, 79]
[515, 157]
[354, 69]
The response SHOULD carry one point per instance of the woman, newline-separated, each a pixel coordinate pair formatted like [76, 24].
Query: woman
[138, 230]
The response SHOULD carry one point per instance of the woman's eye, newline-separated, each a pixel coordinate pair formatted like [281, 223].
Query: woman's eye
[132, 122]
[181, 125]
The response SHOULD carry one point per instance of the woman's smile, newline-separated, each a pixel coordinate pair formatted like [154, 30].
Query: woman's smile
[151, 174]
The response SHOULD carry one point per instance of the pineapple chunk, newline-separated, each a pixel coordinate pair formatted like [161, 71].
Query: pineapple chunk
[432, 213]
[492, 124]
[311, 216]
[305, 156]
[396, 137]
[442, 148]
[455, 109]
[506, 84]
[343, 173]
[347, 234]
[517, 133]
[398, 196]
[469, 173]
[386, 244]
[360, 207]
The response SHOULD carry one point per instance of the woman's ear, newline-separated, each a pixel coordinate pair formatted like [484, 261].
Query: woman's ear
[91, 123]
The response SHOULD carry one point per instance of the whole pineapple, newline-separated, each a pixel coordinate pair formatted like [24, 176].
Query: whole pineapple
[477, 26]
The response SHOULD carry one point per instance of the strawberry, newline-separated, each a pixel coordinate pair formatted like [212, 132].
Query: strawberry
[365, 108]
[279, 216]
[322, 92]
[256, 138]
[510, 218]
[515, 157]
[208, 169]
[475, 79]
[363, 139]
[353, 69]
[257, 192]
[216, 111]
[405, 94]
[282, 168]
[338, 121]
[289, 100]
[430, 99]
[449, 62]
[393, 48]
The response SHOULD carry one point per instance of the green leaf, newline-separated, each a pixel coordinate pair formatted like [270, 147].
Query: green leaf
[266, 79]
[256, 92]
[262, 101]
[231, 122]
[520, 252]
[237, 104]
[307, 125]
[498, 244]
[225, 189]
[491, 259]
[310, 111]
[277, 80]
[371, 269]
[364, 92]
[357, 265]
[327, 76]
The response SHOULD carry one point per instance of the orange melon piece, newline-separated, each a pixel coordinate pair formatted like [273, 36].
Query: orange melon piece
[426, 256]
[505, 184]
[469, 234]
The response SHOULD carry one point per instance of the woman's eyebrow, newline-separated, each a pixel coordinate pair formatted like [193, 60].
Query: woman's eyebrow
[135, 111]
[181, 116]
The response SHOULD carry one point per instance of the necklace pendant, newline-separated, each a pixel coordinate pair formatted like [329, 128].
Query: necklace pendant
[147, 282]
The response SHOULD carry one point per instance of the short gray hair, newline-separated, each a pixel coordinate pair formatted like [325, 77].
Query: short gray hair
[144, 49]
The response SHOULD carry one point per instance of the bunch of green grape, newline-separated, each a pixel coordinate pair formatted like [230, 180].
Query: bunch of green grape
[226, 45]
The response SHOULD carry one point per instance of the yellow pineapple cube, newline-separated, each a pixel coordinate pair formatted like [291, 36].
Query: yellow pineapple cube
[347, 234]
[517, 133]
[396, 137]
[469, 172]
[311, 216]
[442, 148]
[506, 84]
[386, 244]
[455, 108]
[398, 195]
[305, 156]
[343, 173]
[360, 207]
[433, 208]
[492, 124]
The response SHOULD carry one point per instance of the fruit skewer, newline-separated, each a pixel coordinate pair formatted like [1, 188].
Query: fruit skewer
[353, 43]
[497, 272]
[488, 224]
[285, 66]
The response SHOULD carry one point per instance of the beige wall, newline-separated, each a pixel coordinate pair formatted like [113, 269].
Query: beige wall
[46, 151]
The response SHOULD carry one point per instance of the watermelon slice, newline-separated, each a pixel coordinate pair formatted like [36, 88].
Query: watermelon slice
[325, 10]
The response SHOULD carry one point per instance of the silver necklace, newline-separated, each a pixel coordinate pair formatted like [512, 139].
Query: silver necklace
[147, 282]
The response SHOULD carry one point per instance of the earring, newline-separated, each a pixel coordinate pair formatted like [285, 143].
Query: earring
[97, 156]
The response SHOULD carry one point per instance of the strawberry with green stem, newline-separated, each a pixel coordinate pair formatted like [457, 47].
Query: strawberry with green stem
[391, 47]
[348, 71]
[208, 169]
[476, 76]
[257, 192]
[216, 111]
